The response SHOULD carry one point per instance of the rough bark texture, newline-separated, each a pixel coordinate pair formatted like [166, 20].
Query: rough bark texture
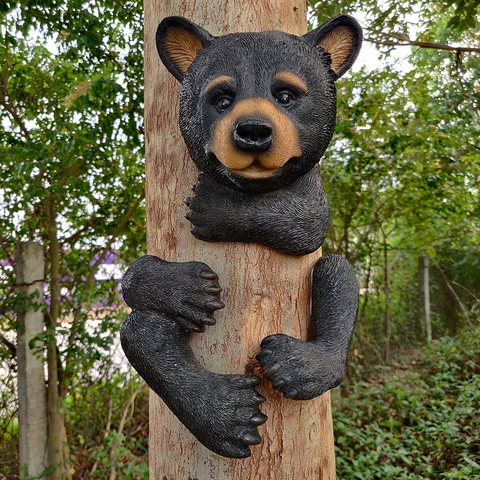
[57, 437]
[32, 398]
[265, 292]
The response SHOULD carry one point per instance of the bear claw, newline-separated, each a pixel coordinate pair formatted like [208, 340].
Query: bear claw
[212, 290]
[215, 305]
[251, 439]
[258, 419]
[208, 275]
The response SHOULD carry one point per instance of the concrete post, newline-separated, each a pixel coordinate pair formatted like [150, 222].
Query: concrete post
[32, 397]
[424, 291]
[426, 301]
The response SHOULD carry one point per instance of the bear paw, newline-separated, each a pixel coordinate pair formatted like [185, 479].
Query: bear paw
[225, 414]
[188, 292]
[211, 210]
[300, 370]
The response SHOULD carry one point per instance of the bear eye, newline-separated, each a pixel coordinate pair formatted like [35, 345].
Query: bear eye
[284, 98]
[223, 103]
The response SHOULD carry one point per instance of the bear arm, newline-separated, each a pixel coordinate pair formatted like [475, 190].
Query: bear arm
[221, 411]
[334, 303]
[304, 370]
[291, 220]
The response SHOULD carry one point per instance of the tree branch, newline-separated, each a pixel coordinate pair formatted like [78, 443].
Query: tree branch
[16, 117]
[454, 293]
[466, 290]
[436, 46]
[11, 347]
[113, 58]
[86, 226]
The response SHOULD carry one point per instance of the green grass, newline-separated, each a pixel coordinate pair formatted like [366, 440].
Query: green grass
[422, 423]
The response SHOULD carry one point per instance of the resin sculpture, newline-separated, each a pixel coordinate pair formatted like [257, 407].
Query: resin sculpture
[257, 112]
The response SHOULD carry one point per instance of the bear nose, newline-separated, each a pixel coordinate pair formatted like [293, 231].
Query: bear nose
[253, 135]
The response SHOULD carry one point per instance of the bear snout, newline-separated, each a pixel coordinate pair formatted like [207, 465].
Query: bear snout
[253, 135]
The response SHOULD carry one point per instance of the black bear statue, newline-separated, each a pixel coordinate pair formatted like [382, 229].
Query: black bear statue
[257, 112]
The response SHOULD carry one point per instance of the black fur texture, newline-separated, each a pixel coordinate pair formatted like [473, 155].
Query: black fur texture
[286, 210]
[293, 220]
[169, 300]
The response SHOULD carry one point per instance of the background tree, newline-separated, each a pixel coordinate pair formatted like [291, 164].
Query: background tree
[71, 174]
[402, 174]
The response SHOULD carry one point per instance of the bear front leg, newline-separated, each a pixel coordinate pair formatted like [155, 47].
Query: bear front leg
[291, 220]
[221, 411]
[168, 301]
[305, 370]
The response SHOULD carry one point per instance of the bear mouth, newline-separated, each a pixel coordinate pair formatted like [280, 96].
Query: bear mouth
[255, 171]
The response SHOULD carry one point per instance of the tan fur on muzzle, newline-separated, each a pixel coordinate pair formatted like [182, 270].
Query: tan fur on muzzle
[285, 141]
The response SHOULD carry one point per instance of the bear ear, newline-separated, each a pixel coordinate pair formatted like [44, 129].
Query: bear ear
[178, 42]
[341, 37]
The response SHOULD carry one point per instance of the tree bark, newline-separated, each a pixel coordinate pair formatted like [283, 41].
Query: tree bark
[265, 292]
[57, 436]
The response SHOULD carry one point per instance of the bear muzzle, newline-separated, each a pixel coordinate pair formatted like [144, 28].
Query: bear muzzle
[255, 139]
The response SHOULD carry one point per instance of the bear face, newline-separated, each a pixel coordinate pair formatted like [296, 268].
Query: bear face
[257, 110]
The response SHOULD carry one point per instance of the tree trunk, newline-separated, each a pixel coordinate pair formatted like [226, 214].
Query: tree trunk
[57, 436]
[265, 292]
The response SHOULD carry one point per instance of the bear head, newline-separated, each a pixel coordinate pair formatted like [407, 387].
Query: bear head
[257, 110]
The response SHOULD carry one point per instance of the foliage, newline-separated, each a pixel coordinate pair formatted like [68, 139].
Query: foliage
[8, 416]
[402, 173]
[107, 423]
[106, 413]
[421, 422]
[71, 134]
[71, 176]
[394, 20]
[71, 143]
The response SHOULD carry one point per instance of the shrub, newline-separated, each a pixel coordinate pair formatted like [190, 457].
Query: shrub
[415, 423]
